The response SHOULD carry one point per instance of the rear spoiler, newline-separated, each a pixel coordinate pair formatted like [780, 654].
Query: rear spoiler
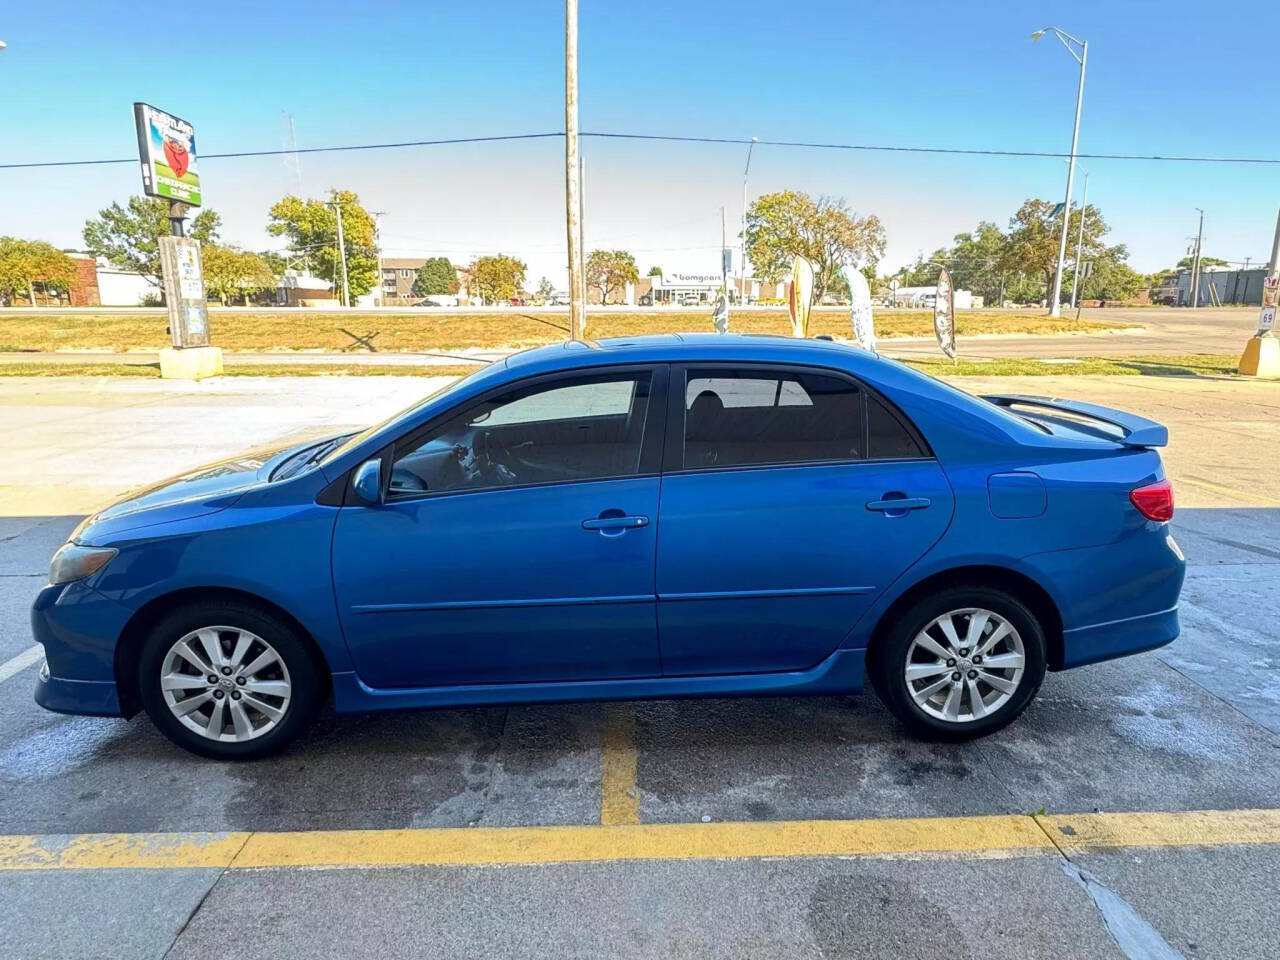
[1138, 431]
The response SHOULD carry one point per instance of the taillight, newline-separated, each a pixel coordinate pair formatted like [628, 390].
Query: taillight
[1154, 501]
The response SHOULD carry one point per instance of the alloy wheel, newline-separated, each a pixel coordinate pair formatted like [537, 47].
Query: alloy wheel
[225, 683]
[965, 665]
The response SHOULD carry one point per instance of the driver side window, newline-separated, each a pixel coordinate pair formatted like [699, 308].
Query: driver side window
[579, 428]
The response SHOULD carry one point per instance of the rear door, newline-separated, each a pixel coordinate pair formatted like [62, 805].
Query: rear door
[790, 498]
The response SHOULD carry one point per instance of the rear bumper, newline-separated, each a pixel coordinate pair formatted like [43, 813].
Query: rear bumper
[91, 698]
[1119, 638]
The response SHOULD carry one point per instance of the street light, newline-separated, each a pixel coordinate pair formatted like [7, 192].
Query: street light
[1071, 43]
[742, 250]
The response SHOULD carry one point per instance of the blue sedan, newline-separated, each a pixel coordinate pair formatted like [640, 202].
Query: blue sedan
[673, 516]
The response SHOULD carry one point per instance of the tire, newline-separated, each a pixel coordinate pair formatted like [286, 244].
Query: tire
[989, 697]
[263, 700]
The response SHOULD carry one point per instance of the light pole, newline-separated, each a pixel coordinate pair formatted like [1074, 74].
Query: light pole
[1075, 279]
[377, 248]
[342, 254]
[742, 252]
[573, 174]
[1195, 264]
[1055, 307]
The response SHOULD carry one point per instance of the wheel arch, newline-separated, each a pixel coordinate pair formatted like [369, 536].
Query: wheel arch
[153, 611]
[1019, 585]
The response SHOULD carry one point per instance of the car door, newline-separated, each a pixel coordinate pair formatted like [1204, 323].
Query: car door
[777, 528]
[516, 542]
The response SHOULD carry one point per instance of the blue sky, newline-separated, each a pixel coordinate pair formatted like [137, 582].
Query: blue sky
[1164, 78]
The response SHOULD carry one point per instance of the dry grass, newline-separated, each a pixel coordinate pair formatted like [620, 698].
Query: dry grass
[255, 331]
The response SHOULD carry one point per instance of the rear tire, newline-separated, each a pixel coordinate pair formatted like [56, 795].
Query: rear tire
[960, 664]
[228, 681]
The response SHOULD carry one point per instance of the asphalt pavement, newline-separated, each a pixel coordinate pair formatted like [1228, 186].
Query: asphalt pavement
[714, 828]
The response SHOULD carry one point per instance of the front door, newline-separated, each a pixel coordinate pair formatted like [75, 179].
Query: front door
[516, 544]
[779, 525]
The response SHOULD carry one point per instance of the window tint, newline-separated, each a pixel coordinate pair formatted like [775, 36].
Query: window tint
[887, 437]
[583, 428]
[743, 417]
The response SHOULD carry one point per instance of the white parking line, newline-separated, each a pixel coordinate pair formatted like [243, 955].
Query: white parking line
[29, 657]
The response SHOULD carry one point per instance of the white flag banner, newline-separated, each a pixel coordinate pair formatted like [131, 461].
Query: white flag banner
[720, 313]
[800, 296]
[864, 330]
[944, 314]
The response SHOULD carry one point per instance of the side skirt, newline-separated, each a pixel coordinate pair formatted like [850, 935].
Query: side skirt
[839, 673]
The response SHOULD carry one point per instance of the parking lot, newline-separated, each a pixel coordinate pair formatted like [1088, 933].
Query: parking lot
[1129, 812]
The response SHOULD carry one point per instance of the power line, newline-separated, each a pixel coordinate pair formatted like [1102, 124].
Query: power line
[668, 138]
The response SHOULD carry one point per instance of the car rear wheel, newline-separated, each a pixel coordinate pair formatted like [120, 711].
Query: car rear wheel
[960, 664]
[227, 681]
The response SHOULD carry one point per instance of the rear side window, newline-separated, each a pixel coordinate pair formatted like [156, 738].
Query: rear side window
[888, 438]
[746, 417]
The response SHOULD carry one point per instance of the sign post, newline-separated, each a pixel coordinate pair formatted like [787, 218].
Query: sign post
[167, 151]
[1261, 357]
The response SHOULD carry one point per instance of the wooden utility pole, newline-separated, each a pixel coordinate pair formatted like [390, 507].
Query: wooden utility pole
[572, 173]
[1195, 265]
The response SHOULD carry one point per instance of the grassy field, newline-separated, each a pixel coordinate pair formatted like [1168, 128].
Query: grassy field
[1167, 366]
[46, 330]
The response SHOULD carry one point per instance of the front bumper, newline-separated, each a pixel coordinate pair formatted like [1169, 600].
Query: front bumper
[92, 698]
[78, 628]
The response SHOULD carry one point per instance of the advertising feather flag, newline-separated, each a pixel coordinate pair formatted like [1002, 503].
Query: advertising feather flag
[944, 314]
[800, 296]
[864, 330]
[720, 312]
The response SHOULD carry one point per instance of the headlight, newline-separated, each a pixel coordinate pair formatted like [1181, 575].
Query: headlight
[74, 562]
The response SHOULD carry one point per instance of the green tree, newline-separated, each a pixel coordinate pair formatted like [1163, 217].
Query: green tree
[27, 264]
[497, 277]
[1111, 277]
[129, 237]
[1186, 262]
[610, 271]
[654, 271]
[781, 226]
[229, 272]
[436, 276]
[977, 261]
[1034, 233]
[545, 290]
[311, 227]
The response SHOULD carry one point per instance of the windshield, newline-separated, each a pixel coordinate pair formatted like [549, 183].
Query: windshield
[368, 432]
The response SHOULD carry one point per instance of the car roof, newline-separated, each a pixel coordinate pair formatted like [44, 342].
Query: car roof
[690, 347]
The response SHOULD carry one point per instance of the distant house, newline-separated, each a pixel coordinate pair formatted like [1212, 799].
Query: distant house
[399, 274]
[301, 289]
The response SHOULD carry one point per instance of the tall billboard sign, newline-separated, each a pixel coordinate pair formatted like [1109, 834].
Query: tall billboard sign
[167, 149]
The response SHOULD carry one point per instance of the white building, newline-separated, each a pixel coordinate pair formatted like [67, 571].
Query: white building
[124, 288]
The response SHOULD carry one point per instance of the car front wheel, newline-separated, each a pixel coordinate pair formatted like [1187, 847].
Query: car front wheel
[227, 681]
[960, 664]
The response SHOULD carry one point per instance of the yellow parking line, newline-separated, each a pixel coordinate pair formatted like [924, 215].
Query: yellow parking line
[106, 851]
[989, 837]
[619, 801]
[1251, 498]
[1209, 828]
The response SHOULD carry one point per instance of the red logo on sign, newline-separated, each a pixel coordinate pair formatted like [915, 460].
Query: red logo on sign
[176, 156]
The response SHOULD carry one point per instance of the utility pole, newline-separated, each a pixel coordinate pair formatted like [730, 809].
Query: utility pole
[377, 247]
[1195, 265]
[572, 174]
[1075, 280]
[342, 255]
[1261, 357]
[582, 240]
[742, 253]
[724, 267]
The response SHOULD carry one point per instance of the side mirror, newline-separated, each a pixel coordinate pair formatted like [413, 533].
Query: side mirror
[367, 483]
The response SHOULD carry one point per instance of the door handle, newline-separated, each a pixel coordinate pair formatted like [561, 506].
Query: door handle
[614, 523]
[898, 506]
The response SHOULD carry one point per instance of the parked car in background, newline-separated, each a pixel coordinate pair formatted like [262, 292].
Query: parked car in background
[669, 516]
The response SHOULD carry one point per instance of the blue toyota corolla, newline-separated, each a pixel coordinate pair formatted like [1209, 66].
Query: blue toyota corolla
[670, 516]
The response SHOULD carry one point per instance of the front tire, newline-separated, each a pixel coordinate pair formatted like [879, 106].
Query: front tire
[960, 664]
[227, 681]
